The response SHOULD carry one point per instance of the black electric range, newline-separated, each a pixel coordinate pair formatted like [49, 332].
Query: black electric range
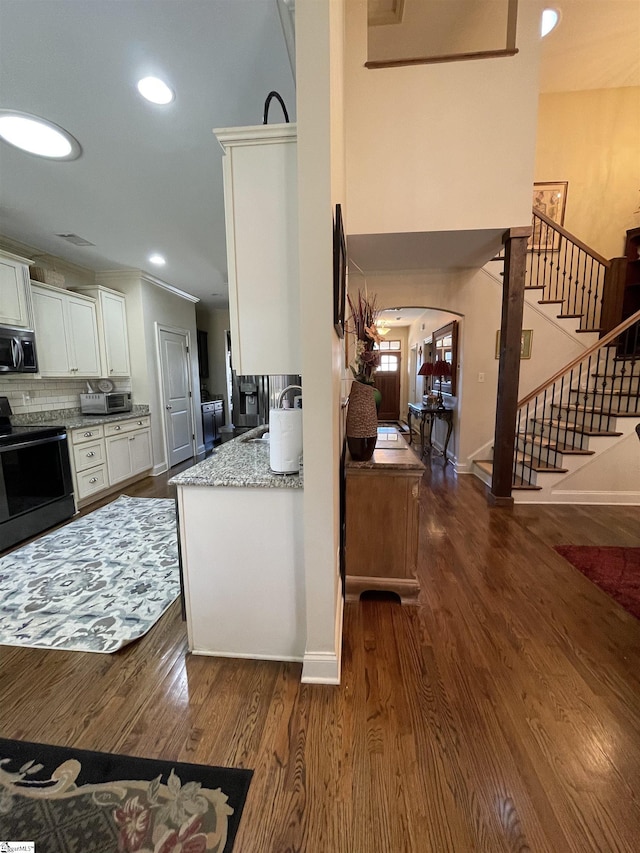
[10, 434]
[36, 487]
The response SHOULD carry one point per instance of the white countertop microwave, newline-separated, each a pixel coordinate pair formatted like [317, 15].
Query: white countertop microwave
[105, 404]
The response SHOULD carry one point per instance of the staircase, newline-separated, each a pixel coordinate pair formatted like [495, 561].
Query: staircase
[591, 404]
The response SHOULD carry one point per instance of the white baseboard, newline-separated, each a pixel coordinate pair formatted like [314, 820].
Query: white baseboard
[324, 667]
[321, 668]
[244, 656]
[575, 497]
[161, 468]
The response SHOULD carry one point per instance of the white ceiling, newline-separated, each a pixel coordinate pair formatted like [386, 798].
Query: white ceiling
[150, 178]
[595, 46]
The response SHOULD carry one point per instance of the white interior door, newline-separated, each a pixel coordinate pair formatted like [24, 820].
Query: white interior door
[176, 396]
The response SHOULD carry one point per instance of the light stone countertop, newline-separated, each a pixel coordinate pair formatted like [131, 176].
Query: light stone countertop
[73, 419]
[392, 452]
[239, 463]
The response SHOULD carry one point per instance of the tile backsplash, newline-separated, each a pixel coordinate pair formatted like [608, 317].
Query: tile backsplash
[28, 395]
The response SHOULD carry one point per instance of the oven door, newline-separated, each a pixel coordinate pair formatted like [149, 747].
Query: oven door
[36, 488]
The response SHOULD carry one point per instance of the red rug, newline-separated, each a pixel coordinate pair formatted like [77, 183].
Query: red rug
[615, 570]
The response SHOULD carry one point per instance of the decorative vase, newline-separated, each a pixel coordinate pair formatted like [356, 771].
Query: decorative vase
[362, 422]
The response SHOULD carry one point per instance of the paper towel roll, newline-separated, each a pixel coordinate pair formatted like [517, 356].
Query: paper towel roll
[285, 440]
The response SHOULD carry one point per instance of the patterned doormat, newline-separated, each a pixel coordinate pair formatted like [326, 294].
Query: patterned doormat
[95, 584]
[75, 801]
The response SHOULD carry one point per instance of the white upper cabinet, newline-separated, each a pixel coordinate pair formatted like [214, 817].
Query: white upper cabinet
[261, 212]
[112, 329]
[66, 333]
[14, 292]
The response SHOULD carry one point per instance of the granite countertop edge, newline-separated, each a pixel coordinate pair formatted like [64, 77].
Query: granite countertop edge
[240, 463]
[76, 420]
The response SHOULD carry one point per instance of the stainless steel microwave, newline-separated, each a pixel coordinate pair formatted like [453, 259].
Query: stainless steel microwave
[105, 404]
[17, 350]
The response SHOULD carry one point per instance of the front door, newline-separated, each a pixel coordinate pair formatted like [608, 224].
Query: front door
[387, 381]
[176, 396]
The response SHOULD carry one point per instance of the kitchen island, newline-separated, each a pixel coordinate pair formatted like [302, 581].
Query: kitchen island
[241, 543]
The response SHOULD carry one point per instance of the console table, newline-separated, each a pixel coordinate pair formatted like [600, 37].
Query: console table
[420, 410]
[382, 514]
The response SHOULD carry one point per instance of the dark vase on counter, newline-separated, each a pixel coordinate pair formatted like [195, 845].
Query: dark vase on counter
[362, 422]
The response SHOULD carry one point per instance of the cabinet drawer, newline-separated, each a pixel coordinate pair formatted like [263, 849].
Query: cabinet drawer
[83, 434]
[92, 481]
[126, 426]
[88, 455]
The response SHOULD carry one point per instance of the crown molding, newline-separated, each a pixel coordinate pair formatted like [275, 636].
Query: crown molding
[113, 276]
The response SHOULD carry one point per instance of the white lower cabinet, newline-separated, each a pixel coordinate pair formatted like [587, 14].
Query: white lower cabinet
[108, 454]
[128, 449]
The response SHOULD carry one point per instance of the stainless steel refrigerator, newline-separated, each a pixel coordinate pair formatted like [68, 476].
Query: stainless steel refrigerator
[253, 396]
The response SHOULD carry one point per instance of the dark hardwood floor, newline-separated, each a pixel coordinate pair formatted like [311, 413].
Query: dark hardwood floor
[502, 714]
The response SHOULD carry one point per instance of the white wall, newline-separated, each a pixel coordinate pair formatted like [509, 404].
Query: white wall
[441, 147]
[476, 296]
[147, 304]
[592, 140]
[167, 309]
[319, 66]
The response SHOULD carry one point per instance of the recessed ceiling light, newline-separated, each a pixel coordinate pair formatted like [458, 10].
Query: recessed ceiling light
[38, 136]
[550, 19]
[158, 260]
[155, 90]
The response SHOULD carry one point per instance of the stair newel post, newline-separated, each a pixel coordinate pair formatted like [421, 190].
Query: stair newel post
[515, 263]
[613, 295]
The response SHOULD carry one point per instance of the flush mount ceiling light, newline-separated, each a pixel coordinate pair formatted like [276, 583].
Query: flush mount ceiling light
[38, 136]
[550, 19]
[155, 90]
[158, 260]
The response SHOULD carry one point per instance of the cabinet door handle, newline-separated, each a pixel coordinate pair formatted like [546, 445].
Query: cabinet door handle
[89, 455]
[93, 480]
[111, 371]
[132, 438]
[168, 408]
[88, 434]
[117, 428]
[139, 423]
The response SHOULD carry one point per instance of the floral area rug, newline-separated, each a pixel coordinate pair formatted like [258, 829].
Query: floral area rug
[95, 584]
[75, 801]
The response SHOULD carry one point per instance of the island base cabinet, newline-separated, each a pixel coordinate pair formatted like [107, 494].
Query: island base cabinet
[382, 526]
[243, 571]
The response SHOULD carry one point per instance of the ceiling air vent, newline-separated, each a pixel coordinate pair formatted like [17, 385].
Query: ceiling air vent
[77, 241]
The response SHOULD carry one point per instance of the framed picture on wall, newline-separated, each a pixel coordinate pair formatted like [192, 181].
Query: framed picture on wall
[525, 343]
[550, 199]
[339, 273]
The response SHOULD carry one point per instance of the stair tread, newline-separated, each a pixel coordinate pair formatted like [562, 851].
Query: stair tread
[584, 331]
[568, 425]
[518, 482]
[539, 465]
[558, 447]
[616, 375]
[568, 316]
[534, 287]
[612, 413]
[552, 302]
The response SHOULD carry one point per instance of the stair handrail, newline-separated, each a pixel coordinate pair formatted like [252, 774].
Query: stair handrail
[602, 342]
[572, 238]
